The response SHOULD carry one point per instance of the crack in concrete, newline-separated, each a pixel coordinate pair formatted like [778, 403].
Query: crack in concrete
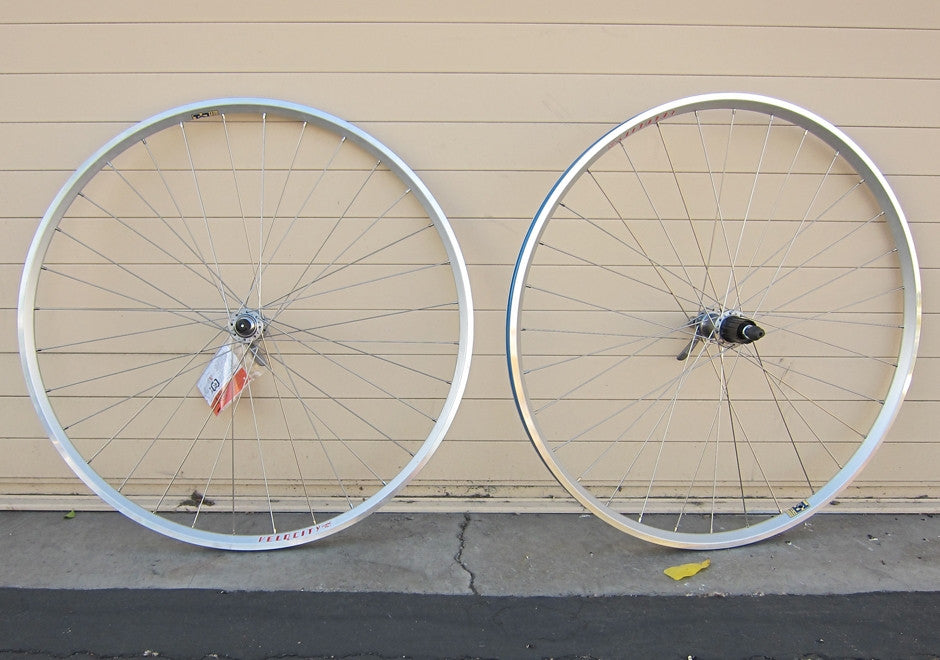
[458, 557]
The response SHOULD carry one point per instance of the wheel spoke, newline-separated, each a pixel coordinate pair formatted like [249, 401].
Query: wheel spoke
[205, 220]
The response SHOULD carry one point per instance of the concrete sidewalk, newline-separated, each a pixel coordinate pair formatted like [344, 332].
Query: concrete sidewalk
[468, 586]
[476, 554]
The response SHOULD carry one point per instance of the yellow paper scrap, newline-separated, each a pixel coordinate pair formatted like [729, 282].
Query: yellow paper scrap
[683, 571]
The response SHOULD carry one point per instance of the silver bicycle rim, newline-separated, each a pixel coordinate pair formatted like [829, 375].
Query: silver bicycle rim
[314, 254]
[634, 283]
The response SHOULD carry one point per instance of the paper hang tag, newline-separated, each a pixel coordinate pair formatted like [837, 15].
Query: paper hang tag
[224, 377]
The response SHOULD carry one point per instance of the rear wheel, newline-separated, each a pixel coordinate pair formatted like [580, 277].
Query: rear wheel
[713, 320]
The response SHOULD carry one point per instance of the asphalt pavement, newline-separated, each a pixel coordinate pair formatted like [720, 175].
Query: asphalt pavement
[469, 585]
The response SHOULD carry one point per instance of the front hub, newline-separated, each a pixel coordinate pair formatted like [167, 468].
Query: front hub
[246, 326]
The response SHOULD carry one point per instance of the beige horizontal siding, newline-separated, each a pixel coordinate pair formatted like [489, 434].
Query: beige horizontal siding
[453, 146]
[489, 102]
[467, 48]
[461, 97]
[835, 13]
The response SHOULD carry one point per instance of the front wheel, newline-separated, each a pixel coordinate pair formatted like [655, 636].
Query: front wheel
[245, 323]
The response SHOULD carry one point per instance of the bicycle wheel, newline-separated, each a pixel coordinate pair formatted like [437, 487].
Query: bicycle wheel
[245, 323]
[713, 320]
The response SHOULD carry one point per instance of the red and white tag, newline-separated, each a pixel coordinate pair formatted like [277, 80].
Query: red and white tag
[224, 377]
